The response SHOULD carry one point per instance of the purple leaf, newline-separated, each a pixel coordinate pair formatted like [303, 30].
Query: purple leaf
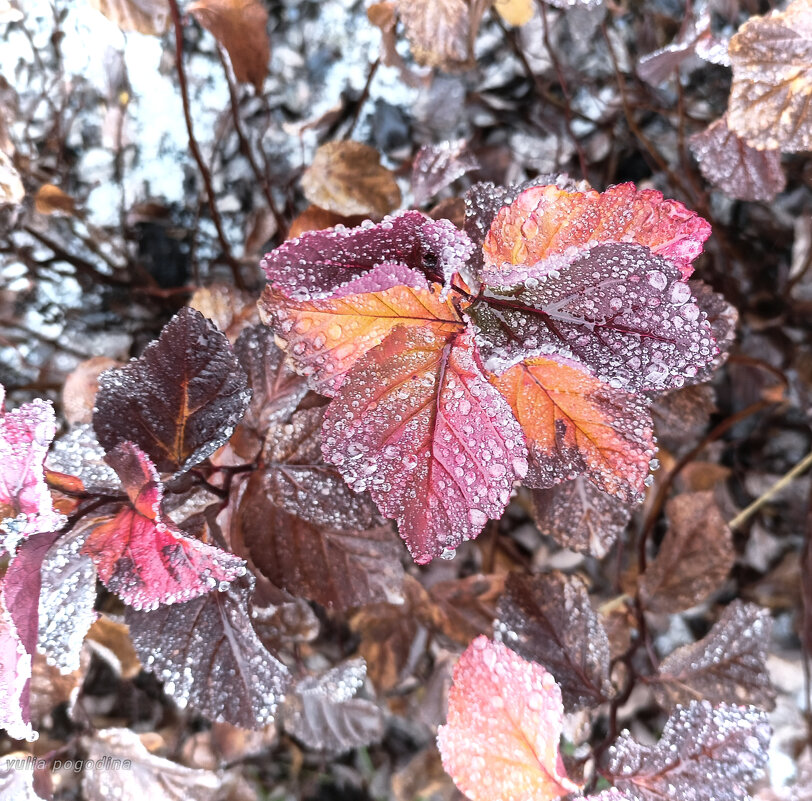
[437, 166]
[617, 308]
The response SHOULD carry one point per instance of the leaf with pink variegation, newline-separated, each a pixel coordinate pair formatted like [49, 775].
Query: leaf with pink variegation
[142, 557]
[15, 676]
[617, 308]
[504, 723]
[546, 221]
[418, 425]
[25, 502]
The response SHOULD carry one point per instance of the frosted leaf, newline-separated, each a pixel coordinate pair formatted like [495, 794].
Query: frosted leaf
[576, 424]
[275, 389]
[577, 515]
[704, 753]
[694, 558]
[418, 426]
[210, 658]
[324, 713]
[17, 784]
[15, 676]
[769, 105]
[25, 501]
[452, 249]
[545, 221]
[118, 766]
[504, 724]
[694, 38]
[325, 337]
[320, 262]
[180, 400]
[66, 601]
[730, 164]
[142, 556]
[437, 166]
[723, 320]
[79, 454]
[549, 619]
[618, 309]
[728, 664]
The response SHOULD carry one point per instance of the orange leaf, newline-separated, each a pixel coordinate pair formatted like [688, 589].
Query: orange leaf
[241, 27]
[575, 423]
[545, 221]
[504, 722]
[325, 337]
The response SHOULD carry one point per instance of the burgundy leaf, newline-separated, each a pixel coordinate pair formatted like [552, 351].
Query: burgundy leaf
[549, 619]
[275, 389]
[319, 262]
[180, 400]
[704, 752]
[336, 567]
[578, 515]
[616, 308]
[722, 318]
[418, 425]
[730, 164]
[694, 558]
[437, 166]
[324, 713]
[681, 417]
[210, 657]
[729, 664]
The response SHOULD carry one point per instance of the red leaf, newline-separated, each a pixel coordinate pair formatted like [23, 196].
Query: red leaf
[545, 221]
[142, 558]
[325, 337]
[180, 400]
[419, 426]
[25, 502]
[617, 308]
[504, 722]
[575, 424]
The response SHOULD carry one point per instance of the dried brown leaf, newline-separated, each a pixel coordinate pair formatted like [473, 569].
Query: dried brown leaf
[51, 199]
[733, 166]
[442, 32]
[770, 102]
[12, 190]
[462, 609]
[682, 416]
[144, 16]
[241, 27]
[577, 515]
[695, 556]
[80, 388]
[437, 166]
[114, 638]
[314, 218]
[727, 665]
[230, 309]
[549, 619]
[348, 178]
[515, 12]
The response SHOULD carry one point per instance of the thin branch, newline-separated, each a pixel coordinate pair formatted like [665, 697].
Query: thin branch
[195, 148]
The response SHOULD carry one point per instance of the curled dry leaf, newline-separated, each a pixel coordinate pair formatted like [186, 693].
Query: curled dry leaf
[241, 27]
[324, 713]
[80, 388]
[51, 199]
[180, 400]
[549, 619]
[348, 178]
[314, 218]
[230, 309]
[442, 32]
[142, 16]
[578, 515]
[694, 558]
[210, 657]
[739, 170]
[515, 12]
[703, 752]
[504, 722]
[463, 609]
[770, 102]
[148, 776]
[437, 166]
[728, 664]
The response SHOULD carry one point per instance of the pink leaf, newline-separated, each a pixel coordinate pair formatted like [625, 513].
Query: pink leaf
[15, 675]
[25, 502]
[504, 723]
[418, 425]
[144, 559]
